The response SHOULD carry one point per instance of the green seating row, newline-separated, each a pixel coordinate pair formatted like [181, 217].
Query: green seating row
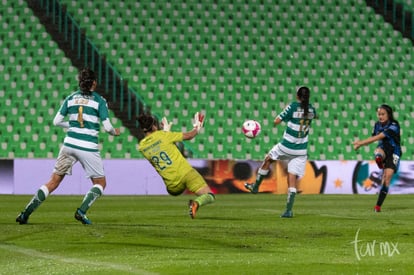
[236, 60]
[36, 76]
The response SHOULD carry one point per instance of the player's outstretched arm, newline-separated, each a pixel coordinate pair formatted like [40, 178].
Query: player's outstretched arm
[277, 121]
[358, 143]
[197, 124]
[166, 126]
[59, 121]
[190, 135]
[110, 129]
[198, 121]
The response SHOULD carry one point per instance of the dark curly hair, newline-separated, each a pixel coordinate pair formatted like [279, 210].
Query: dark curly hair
[146, 121]
[86, 78]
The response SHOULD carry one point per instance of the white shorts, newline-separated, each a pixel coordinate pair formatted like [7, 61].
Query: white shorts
[296, 164]
[90, 161]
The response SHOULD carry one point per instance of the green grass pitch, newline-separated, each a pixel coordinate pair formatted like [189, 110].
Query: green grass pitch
[239, 234]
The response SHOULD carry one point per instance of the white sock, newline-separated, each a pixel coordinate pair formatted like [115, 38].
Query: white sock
[263, 172]
[292, 190]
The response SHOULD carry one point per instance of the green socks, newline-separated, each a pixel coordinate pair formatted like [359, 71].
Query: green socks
[205, 199]
[290, 198]
[36, 201]
[261, 174]
[90, 197]
[41, 195]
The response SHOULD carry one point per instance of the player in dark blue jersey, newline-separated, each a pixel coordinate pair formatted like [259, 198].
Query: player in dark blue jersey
[388, 152]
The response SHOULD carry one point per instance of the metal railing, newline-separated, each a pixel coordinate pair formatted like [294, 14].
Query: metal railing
[401, 12]
[128, 99]
[113, 83]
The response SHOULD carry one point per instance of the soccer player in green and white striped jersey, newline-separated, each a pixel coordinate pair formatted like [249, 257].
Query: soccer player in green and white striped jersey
[293, 147]
[86, 109]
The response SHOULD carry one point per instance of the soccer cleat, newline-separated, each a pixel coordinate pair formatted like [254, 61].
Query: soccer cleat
[193, 205]
[80, 216]
[21, 219]
[379, 161]
[377, 208]
[253, 188]
[287, 214]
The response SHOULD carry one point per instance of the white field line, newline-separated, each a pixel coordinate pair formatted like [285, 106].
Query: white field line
[38, 254]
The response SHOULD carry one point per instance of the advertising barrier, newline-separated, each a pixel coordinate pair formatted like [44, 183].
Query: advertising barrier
[138, 177]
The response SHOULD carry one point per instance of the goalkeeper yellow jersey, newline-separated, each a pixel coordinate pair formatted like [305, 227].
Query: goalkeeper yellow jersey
[160, 149]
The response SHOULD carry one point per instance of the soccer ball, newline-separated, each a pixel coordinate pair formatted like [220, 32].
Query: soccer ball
[251, 128]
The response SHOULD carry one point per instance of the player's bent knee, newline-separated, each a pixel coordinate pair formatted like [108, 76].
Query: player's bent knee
[379, 151]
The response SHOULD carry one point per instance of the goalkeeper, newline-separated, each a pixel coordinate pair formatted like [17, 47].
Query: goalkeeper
[158, 147]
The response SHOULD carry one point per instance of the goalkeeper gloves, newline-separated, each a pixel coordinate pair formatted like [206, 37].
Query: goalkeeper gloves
[198, 121]
[166, 126]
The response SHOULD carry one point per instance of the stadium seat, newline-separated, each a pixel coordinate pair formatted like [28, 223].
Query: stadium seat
[261, 52]
[32, 56]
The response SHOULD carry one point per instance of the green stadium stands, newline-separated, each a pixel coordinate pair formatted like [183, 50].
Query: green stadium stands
[233, 60]
[36, 76]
